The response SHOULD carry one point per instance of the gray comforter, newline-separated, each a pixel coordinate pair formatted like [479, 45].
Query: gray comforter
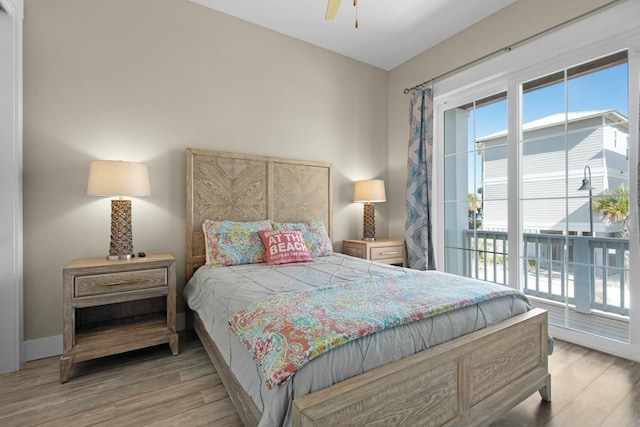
[217, 293]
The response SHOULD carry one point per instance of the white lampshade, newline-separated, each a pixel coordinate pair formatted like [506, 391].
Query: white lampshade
[369, 191]
[118, 178]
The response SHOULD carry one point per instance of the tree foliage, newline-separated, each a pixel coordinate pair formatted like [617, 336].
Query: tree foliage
[614, 207]
[473, 204]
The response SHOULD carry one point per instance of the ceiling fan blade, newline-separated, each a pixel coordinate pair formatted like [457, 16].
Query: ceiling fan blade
[332, 9]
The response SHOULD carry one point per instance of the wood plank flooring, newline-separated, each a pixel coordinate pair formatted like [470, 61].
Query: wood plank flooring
[153, 388]
[143, 387]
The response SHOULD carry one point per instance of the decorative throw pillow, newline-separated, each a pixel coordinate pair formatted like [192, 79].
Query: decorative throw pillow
[234, 243]
[315, 235]
[284, 247]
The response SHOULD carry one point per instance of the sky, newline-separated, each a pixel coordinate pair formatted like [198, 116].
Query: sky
[601, 90]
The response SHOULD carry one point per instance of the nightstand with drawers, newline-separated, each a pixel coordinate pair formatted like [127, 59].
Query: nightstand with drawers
[387, 251]
[111, 307]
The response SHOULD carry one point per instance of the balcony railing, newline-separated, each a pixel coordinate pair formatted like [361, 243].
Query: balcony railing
[588, 273]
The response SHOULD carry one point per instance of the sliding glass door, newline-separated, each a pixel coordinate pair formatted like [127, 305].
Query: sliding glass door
[570, 172]
[475, 189]
[574, 198]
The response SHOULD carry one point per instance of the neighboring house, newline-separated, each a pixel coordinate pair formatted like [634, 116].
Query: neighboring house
[598, 139]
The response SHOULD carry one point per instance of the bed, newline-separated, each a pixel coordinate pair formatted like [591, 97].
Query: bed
[471, 379]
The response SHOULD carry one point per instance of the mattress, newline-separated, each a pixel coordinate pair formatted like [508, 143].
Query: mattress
[218, 293]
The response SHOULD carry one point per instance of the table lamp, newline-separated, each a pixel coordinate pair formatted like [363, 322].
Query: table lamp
[369, 192]
[118, 178]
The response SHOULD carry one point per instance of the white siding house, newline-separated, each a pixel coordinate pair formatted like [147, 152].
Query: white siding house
[553, 167]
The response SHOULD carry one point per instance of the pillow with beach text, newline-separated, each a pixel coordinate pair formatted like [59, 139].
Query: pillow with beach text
[284, 246]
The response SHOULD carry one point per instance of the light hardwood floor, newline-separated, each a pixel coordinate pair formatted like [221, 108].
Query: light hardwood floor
[151, 387]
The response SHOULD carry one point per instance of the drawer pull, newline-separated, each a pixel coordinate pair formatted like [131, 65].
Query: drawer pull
[389, 253]
[125, 282]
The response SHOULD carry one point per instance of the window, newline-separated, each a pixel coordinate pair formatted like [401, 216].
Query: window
[535, 176]
[475, 195]
[571, 167]
[573, 182]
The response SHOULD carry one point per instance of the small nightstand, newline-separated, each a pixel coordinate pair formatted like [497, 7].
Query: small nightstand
[110, 307]
[387, 251]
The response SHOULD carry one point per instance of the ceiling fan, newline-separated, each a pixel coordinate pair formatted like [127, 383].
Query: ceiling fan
[332, 9]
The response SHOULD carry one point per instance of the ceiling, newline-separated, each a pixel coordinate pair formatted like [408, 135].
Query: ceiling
[389, 32]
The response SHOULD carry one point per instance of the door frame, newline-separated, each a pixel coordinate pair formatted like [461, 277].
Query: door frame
[12, 354]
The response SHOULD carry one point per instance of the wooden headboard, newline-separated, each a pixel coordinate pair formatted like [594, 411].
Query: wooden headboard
[240, 187]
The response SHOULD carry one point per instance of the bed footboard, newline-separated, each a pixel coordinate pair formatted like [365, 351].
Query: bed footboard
[470, 381]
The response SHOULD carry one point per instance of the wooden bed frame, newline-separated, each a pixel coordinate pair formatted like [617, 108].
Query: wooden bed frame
[470, 381]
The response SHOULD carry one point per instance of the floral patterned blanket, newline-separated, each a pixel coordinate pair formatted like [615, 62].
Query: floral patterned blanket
[286, 331]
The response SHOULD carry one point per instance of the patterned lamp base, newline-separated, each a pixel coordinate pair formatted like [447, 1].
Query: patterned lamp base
[369, 228]
[121, 237]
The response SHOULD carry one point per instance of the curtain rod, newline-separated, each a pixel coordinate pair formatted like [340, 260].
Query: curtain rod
[516, 44]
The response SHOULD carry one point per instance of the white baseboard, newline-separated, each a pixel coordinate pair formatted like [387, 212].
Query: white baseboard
[52, 346]
[43, 347]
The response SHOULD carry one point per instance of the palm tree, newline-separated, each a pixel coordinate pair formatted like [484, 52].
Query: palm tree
[473, 204]
[614, 207]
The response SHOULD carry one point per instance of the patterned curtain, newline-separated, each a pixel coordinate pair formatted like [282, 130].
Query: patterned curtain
[419, 167]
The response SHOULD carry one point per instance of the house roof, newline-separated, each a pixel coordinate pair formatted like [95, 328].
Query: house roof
[559, 118]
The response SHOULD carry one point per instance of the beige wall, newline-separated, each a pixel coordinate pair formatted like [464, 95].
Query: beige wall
[141, 80]
[516, 22]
